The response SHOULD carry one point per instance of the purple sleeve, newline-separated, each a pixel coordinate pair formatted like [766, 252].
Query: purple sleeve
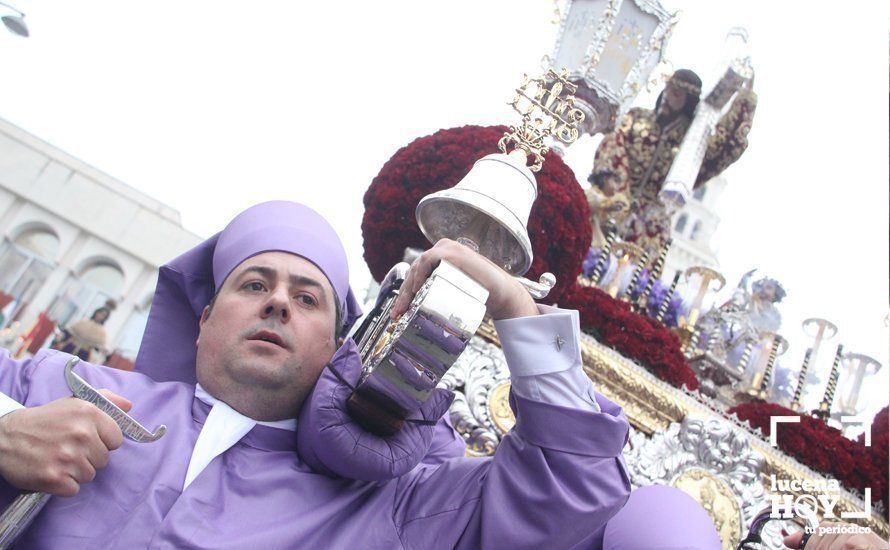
[15, 374]
[556, 478]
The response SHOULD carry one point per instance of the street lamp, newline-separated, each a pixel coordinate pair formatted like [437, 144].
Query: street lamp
[15, 23]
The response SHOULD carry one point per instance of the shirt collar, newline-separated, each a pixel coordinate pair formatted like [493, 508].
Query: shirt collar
[286, 424]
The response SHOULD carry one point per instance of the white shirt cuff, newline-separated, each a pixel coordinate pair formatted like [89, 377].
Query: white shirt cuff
[8, 404]
[543, 353]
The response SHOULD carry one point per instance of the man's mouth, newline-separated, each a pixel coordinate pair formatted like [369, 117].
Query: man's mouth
[269, 336]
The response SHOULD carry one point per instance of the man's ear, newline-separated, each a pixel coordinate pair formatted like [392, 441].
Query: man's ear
[204, 316]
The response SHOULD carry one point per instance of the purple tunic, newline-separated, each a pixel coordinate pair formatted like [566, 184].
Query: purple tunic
[556, 479]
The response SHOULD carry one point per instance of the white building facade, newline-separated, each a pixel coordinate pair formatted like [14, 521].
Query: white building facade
[694, 226]
[74, 238]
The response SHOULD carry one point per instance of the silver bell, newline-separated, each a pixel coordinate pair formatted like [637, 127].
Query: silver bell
[487, 211]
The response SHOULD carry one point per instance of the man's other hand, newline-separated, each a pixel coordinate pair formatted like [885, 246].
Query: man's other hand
[824, 539]
[507, 298]
[57, 447]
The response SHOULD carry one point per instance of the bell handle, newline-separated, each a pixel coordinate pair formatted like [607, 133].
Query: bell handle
[539, 290]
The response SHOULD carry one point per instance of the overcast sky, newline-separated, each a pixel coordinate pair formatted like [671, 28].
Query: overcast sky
[212, 106]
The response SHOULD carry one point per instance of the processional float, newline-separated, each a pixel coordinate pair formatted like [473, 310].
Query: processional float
[609, 48]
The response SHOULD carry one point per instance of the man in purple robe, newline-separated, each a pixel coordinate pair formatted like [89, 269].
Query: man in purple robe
[241, 330]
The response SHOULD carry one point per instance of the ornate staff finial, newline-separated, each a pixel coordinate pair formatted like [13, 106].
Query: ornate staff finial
[545, 112]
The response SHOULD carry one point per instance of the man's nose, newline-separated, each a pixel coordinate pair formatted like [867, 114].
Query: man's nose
[278, 305]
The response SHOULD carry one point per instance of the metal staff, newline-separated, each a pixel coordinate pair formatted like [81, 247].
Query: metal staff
[654, 274]
[667, 298]
[824, 410]
[603, 261]
[767, 379]
[801, 380]
[636, 276]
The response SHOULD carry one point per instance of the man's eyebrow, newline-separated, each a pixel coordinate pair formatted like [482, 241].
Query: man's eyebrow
[267, 272]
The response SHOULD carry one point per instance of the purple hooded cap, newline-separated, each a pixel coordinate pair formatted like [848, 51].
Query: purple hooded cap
[186, 284]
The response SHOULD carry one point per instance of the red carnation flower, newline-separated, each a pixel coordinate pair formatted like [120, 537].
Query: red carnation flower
[635, 336]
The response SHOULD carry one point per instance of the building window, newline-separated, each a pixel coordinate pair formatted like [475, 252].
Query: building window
[91, 288]
[40, 241]
[104, 276]
[696, 230]
[681, 223]
[25, 265]
[699, 193]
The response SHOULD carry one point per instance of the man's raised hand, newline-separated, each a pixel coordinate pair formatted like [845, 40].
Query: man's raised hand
[507, 298]
[57, 447]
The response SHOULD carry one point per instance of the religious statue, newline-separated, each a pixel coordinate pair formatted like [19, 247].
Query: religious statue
[632, 162]
[87, 337]
[747, 313]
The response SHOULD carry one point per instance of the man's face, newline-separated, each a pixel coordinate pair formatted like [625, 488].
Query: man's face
[672, 101]
[268, 335]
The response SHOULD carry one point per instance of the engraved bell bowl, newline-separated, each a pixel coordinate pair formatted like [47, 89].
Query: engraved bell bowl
[487, 210]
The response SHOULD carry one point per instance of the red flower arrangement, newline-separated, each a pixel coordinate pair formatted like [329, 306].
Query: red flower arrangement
[558, 226]
[822, 447]
[635, 336]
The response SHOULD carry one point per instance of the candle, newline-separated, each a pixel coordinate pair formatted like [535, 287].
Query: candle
[619, 272]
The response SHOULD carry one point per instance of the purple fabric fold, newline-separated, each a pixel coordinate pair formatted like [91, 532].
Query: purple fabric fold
[571, 430]
[331, 442]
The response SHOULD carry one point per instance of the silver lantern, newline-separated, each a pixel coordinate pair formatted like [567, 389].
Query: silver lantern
[609, 48]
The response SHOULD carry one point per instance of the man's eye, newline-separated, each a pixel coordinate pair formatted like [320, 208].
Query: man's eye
[255, 286]
[306, 300]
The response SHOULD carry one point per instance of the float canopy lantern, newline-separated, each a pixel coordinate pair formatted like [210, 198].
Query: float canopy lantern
[610, 47]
